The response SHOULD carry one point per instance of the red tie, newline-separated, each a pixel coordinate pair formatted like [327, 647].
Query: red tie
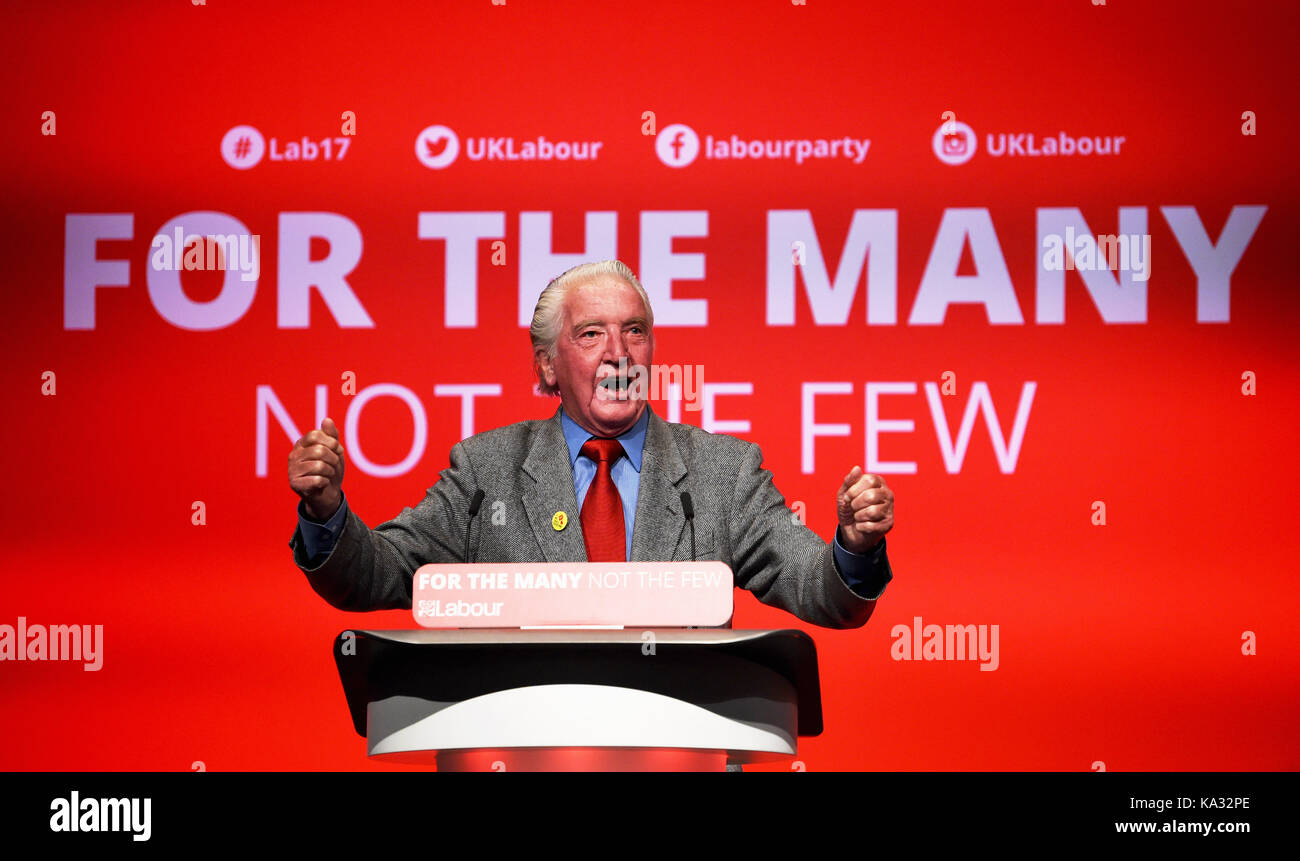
[602, 510]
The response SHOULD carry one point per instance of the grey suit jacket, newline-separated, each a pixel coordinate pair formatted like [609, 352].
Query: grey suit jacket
[525, 472]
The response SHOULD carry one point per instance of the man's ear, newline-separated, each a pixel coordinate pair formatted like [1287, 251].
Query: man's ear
[547, 366]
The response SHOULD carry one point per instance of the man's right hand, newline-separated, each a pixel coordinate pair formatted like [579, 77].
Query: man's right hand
[316, 470]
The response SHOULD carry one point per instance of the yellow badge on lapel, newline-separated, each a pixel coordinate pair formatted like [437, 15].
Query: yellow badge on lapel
[559, 520]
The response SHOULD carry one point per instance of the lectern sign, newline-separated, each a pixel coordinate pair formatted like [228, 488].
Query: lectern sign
[514, 595]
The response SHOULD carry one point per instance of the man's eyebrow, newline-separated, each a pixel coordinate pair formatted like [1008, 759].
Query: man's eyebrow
[633, 321]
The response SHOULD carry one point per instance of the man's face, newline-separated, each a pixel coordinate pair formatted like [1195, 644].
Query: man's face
[604, 321]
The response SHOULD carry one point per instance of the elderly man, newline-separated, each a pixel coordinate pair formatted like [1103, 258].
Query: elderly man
[602, 480]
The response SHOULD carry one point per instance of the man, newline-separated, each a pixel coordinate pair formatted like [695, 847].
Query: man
[602, 480]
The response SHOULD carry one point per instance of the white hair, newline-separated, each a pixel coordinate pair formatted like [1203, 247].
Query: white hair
[548, 317]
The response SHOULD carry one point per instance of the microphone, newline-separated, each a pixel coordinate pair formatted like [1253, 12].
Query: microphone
[688, 508]
[474, 504]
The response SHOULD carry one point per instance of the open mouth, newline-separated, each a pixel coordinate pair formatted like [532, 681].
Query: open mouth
[614, 387]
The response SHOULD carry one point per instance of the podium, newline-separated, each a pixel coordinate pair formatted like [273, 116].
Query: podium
[641, 699]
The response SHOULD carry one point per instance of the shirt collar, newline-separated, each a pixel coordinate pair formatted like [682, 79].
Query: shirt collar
[633, 439]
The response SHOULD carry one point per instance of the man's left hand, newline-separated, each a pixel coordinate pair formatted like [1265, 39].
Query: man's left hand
[865, 506]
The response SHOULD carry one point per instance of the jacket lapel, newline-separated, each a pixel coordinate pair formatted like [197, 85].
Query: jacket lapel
[659, 520]
[548, 464]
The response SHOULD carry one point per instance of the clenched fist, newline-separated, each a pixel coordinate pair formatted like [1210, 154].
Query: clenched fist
[316, 470]
[865, 507]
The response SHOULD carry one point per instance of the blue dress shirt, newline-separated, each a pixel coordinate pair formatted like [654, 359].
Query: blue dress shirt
[858, 570]
[626, 471]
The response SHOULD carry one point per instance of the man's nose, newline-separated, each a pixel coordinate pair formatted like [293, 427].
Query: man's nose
[616, 348]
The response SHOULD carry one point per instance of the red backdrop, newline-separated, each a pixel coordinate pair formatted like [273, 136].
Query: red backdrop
[1120, 643]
